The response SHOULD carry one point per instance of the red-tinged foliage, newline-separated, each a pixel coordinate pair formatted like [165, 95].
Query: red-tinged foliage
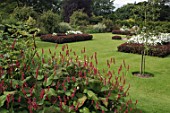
[66, 38]
[158, 50]
[116, 38]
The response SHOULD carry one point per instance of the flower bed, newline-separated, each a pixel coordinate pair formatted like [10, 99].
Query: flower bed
[116, 38]
[156, 45]
[66, 39]
[158, 50]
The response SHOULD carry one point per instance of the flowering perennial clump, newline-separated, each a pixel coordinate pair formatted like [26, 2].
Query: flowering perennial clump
[61, 83]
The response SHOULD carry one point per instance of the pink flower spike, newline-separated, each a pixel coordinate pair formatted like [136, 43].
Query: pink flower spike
[49, 51]
[42, 51]
[8, 98]
[19, 99]
[42, 93]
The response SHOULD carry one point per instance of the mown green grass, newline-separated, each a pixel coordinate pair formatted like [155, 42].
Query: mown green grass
[153, 94]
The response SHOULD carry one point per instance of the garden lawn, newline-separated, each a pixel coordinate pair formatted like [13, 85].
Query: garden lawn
[153, 94]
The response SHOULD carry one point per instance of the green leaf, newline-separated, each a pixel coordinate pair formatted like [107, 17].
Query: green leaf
[85, 110]
[68, 93]
[81, 101]
[27, 78]
[40, 77]
[104, 88]
[2, 101]
[113, 96]
[25, 111]
[9, 92]
[49, 81]
[92, 95]
[104, 101]
[103, 108]
[50, 92]
[3, 110]
[41, 102]
[51, 109]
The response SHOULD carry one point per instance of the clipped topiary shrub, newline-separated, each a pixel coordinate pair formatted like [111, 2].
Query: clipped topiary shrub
[116, 38]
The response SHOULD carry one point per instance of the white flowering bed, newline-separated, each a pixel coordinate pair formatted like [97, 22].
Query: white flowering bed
[73, 32]
[150, 39]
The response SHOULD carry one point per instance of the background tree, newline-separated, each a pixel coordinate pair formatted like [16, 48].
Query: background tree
[78, 18]
[159, 10]
[41, 5]
[125, 12]
[69, 6]
[164, 10]
[102, 7]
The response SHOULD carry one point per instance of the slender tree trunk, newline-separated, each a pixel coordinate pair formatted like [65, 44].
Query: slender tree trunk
[142, 60]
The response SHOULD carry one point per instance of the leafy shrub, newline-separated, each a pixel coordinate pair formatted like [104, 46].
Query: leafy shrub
[116, 37]
[89, 29]
[64, 27]
[10, 20]
[18, 31]
[127, 23]
[66, 39]
[158, 50]
[31, 21]
[165, 28]
[116, 27]
[95, 19]
[49, 22]
[109, 24]
[79, 18]
[23, 13]
[99, 28]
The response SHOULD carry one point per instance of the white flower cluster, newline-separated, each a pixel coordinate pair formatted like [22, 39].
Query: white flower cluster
[124, 28]
[73, 32]
[150, 39]
[54, 34]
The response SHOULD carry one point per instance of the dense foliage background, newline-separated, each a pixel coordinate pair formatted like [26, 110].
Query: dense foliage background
[101, 13]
